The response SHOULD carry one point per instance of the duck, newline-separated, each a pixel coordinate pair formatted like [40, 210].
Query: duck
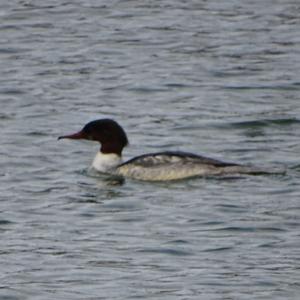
[158, 166]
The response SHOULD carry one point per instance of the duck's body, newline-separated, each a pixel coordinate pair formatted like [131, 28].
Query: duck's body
[161, 166]
[174, 165]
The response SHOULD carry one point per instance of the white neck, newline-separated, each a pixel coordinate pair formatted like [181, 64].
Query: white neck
[106, 162]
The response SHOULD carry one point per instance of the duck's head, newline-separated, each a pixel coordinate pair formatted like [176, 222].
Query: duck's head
[107, 132]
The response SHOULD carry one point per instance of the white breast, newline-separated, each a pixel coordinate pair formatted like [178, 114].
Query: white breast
[106, 162]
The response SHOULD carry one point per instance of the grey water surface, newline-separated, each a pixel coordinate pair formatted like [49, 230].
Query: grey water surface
[217, 78]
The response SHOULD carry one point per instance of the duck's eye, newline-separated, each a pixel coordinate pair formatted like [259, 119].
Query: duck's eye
[86, 130]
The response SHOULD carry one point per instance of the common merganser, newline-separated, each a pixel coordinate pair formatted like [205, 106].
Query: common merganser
[160, 166]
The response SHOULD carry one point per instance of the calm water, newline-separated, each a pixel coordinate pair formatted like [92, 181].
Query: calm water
[220, 78]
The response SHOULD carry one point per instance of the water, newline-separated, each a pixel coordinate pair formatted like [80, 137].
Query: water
[219, 78]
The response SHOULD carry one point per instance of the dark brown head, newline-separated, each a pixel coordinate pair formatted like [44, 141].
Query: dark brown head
[106, 131]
